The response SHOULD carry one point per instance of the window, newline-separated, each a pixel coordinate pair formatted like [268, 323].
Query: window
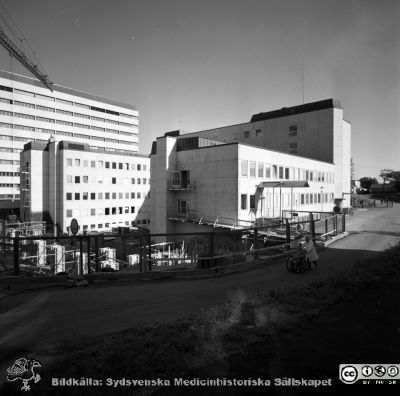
[258, 132]
[77, 179]
[139, 195]
[107, 211]
[182, 206]
[252, 201]
[267, 171]
[260, 170]
[69, 196]
[243, 168]
[120, 210]
[287, 173]
[77, 162]
[92, 212]
[311, 175]
[113, 211]
[69, 178]
[69, 212]
[100, 196]
[114, 165]
[144, 180]
[126, 195]
[281, 172]
[85, 179]
[92, 195]
[92, 164]
[302, 199]
[107, 195]
[292, 130]
[132, 195]
[85, 196]
[243, 201]
[120, 165]
[252, 169]
[114, 180]
[246, 134]
[132, 209]
[69, 161]
[275, 171]
[77, 196]
[138, 181]
[120, 195]
[307, 175]
[138, 167]
[311, 198]
[100, 164]
[107, 165]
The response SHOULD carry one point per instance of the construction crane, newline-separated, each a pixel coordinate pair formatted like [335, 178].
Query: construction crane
[20, 55]
[17, 52]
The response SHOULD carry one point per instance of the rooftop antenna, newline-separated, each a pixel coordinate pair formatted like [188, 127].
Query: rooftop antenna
[302, 78]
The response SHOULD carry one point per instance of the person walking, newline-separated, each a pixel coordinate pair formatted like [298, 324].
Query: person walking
[311, 252]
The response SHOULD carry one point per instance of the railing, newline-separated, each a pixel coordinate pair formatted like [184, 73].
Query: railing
[137, 252]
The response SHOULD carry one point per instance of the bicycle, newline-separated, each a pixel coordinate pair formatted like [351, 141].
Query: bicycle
[296, 265]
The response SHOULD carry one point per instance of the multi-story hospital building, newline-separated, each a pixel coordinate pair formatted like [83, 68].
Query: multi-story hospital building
[293, 159]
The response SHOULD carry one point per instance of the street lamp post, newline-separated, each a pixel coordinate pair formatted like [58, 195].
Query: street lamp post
[322, 200]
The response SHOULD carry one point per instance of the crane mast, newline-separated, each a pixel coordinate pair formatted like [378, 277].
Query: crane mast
[24, 60]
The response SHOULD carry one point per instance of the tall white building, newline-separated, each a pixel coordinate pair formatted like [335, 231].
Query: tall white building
[31, 112]
[101, 188]
[293, 159]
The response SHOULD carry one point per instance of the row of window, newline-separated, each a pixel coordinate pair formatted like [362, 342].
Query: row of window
[268, 171]
[57, 100]
[106, 164]
[92, 195]
[298, 199]
[9, 150]
[116, 210]
[108, 226]
[292, 132]
[9, 174]
[16, 185]
[70, 134]
[9, 162]
[9, 196]
[100, 179]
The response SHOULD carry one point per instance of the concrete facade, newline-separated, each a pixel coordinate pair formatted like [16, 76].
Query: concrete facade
[224, 166]
[31, 112]
[101, 189]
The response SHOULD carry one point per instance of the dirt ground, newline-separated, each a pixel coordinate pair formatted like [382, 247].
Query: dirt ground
[364, 329]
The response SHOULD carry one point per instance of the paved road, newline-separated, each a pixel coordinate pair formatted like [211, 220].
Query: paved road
[41, 319]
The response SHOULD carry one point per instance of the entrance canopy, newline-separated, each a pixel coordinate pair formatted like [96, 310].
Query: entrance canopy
[284, 184]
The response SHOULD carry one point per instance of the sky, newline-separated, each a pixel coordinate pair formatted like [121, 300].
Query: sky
[200, 64]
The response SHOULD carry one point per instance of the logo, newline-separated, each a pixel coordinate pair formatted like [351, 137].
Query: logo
[393, 371]
[380, 371]
[348, 374]
[367, 371]
[24, 369]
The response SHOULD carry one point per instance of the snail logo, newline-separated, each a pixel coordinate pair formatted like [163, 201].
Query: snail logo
[24, 369]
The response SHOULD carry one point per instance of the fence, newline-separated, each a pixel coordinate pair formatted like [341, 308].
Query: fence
[136, 252]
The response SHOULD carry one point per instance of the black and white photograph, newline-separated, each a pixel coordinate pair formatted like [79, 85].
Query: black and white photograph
[199, 197]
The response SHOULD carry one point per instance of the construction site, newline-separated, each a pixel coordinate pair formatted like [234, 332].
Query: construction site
[26, 250]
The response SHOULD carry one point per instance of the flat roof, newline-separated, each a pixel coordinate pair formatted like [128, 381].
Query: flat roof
[75, 146]
[251, 145]
[304, 108]
[60, 88]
